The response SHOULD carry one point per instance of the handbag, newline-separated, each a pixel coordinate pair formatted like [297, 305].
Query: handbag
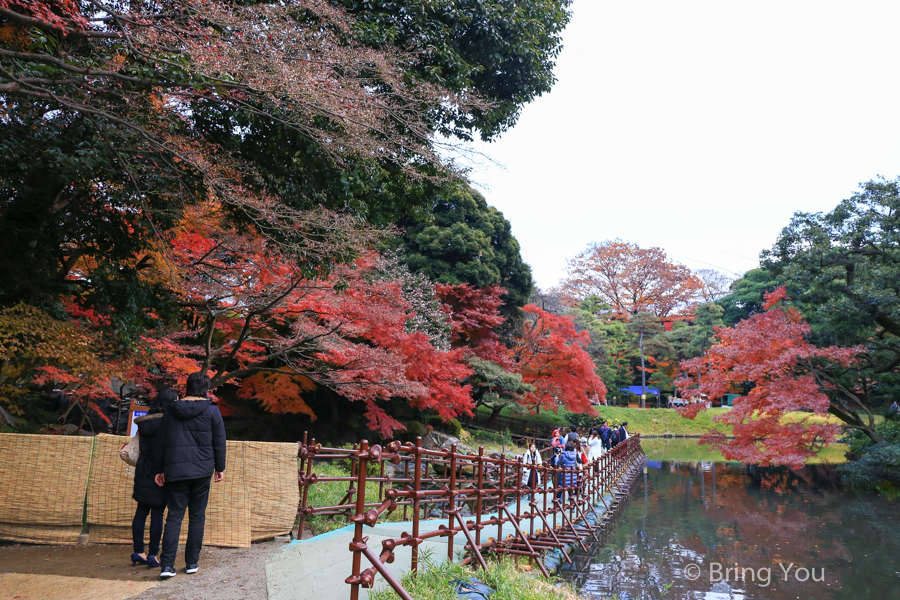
[131, 451]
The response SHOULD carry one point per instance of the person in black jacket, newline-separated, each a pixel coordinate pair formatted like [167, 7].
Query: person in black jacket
[151, 499]
[193, 450]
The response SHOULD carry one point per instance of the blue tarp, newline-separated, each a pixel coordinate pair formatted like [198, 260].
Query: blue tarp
[636, 390]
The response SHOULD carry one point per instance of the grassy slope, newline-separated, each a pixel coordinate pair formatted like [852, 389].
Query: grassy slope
[689, 450]
[663, 421]
[653, 421]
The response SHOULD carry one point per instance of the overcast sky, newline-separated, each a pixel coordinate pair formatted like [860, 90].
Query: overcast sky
[699, 127]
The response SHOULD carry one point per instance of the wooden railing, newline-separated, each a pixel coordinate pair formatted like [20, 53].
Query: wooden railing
[495, 489]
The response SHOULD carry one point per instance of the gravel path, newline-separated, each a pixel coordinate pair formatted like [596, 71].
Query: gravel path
[225, 574]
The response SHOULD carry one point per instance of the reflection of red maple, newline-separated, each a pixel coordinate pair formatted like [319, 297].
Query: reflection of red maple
[768, 351]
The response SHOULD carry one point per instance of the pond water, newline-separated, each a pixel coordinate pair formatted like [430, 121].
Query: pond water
[713, 530]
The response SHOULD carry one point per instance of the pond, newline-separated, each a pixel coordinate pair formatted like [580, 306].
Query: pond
[712, 530]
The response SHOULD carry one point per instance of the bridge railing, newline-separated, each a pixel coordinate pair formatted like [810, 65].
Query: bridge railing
[493, 489]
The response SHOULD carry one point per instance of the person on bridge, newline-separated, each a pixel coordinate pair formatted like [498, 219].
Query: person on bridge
[556, 440]
[605, 435]
[595, 445]
[623, 432]
[530, 475]
[572, 436]
[568, 461]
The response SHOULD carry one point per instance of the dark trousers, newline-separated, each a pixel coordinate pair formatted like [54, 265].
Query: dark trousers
[137, 527]
[191, 495]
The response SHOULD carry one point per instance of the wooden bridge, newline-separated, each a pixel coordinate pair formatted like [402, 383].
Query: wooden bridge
[484, 504]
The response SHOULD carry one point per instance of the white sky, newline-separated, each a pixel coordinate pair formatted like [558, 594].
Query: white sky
[699, 127]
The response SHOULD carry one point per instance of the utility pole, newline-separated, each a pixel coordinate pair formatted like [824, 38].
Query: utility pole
[643, 372]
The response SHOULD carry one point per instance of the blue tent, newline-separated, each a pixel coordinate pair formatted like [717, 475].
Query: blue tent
[636, 390]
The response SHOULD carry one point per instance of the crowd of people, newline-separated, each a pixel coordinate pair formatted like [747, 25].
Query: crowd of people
[572, 452]
[182, 449]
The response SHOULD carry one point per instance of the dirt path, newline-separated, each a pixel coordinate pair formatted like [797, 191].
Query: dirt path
[225, 573]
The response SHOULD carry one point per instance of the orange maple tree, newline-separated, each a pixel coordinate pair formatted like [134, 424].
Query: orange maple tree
[631, 279]
[770, 354]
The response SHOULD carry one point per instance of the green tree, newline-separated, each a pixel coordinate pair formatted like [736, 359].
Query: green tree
[496, 388]
[76, 191]
[611, 346]
[707, 317]
[468, 241]
[500, 50]
[842, 270]
[747, 293]
[648, 333]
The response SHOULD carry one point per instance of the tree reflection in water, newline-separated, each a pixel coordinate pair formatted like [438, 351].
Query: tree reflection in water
[683, 513]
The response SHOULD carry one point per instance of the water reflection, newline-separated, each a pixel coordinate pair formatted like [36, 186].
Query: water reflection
[780, 533]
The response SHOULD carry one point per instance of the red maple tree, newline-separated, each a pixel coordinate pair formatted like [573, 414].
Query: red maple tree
[770, 354]
[260, 315]
[551, 355]
[474, 315]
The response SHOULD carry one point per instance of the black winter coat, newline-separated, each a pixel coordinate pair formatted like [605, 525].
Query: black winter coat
[145, 489]
[193, 440]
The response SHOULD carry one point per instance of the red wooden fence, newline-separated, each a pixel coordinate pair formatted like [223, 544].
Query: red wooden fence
[417, 480]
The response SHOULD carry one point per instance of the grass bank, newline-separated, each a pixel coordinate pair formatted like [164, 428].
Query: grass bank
[509, 582]
[690, 450]
[646, 421]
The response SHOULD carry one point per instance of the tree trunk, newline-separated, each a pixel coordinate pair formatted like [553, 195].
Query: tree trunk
[495, 416]
[854, 422]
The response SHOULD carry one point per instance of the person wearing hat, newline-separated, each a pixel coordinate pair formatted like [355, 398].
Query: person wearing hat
[556, 440]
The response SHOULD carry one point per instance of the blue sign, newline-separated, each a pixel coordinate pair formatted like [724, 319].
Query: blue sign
[134, 415]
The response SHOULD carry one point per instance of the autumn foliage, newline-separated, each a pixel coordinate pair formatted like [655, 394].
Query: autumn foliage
[769, 354]
[551, 356]
[163, 240]
[474, 316]
[631, 279]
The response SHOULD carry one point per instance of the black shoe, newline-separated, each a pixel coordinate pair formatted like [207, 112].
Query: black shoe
[168, 572]
[192, 569]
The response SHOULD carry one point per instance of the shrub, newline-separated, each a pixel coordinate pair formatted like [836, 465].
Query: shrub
[875, 465]
[414, 429]
[452, 426]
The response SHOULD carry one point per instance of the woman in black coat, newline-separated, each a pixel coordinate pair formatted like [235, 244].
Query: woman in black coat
[151, 498]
